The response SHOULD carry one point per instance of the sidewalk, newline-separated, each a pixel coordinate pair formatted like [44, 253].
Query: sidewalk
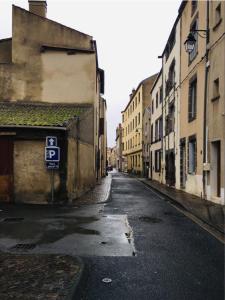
[211, 213]
[43, 277]
[99, 194]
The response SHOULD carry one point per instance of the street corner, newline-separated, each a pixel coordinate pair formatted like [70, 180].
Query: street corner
[26, 277]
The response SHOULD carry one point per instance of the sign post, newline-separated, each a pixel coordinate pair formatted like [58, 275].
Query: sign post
[52, 158]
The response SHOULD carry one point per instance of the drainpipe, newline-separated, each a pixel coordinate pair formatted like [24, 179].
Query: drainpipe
[205, 139]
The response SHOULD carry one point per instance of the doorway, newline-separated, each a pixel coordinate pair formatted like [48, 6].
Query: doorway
[6, 169]
[170, 168]
[216, 169]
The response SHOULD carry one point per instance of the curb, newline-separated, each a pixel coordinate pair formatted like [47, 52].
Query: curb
[79, 285]
[183, 207]
[78, 282]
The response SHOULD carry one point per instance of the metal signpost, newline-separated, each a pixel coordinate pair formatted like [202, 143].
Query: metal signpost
[52, 158]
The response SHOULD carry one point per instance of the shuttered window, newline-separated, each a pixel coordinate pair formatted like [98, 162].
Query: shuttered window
[192, 155]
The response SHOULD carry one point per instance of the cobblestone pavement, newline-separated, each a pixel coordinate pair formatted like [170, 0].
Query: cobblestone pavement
[42, 277]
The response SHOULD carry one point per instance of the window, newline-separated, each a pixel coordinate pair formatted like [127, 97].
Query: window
[192, 155]
[170, 83]
[160, 94]
[136, 121]
[152, 106]
[157, 160]
[139, 118]
[152, 133]
[216, 89]
[156, 130]
[156, 101]
[139, 97]
[218, 17]
[123, 118]
[193, 29]
[135, 102]
[192, 99]
[193, 7]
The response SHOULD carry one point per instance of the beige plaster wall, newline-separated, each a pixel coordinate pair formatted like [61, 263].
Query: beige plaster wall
[80, 171]
[29, 33]
[68, 78]
[194, 183]
[31, 179]
[216, 107]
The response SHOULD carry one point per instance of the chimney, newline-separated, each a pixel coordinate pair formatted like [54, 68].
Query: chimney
[38, 7]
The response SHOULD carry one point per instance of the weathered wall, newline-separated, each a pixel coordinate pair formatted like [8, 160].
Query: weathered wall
[68, 78]
[6, 89]
[6, 51]
[31, 179]
[30, 32]
[81, 171]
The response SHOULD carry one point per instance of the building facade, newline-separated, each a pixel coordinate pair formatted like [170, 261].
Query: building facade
[215, 113]
[50, 84]
[192, 93]
[156, 131]
[132, 125]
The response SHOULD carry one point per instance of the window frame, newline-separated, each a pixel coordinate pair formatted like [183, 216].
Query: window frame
[192, 115]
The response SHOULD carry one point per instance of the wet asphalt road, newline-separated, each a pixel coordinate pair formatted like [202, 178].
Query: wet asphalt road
[174, 257]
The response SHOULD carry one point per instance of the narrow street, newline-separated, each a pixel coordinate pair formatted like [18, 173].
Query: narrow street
[174, 257]
[148, 248]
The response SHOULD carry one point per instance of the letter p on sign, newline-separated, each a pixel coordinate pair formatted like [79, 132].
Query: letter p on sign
[52, 154]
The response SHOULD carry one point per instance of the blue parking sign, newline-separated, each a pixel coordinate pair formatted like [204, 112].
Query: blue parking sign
[51, 141]
[52, 154]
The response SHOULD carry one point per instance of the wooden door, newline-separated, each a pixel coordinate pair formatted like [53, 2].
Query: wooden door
[6, 169]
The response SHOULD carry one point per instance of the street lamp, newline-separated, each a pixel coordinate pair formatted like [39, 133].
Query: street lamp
[190, 43]
[191, 40]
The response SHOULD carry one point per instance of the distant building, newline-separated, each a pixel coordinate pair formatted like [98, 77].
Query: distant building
[50, 84]
[111, 156]
[132, 125]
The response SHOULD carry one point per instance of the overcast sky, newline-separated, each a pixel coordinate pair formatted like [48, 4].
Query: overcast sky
[130, 35]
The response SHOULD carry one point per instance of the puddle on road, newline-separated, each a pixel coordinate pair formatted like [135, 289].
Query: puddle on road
[93, 235]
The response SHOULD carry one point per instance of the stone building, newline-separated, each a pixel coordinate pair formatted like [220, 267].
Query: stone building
[156, 131]
[132, 125]
[50, 84]
[111, 156]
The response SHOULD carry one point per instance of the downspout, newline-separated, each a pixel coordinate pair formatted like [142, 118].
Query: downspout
[205, 139]
[78, 150]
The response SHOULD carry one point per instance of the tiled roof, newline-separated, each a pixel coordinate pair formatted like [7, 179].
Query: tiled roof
[24, 114]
